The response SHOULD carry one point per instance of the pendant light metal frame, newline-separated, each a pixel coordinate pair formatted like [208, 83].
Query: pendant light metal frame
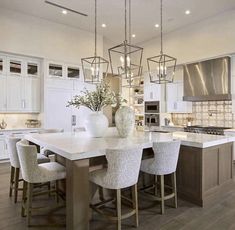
[94, 62]
[129, 71]
[159, 74]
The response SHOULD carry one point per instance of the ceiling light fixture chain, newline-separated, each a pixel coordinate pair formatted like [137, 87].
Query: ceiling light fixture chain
[161, 22]
[95, 27]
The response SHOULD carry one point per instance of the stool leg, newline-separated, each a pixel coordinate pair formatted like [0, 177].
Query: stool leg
[12, 180]
[119, 211]
[29, 202]
[135, 204]
[57, 191]
[155, 188]
[175, 189]
[17, 174]
[24, 199]
[162, 195]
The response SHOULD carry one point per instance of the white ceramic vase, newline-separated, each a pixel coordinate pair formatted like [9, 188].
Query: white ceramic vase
[125, 121]
[96, 124]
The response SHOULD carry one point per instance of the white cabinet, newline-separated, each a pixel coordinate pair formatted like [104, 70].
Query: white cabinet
[31, 95]
[152, 92]
[3, 97]
[174, 95]
[14, 93]
[3, 149]
[19, 84]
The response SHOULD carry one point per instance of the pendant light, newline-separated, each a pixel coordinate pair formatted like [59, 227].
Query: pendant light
[125, 59]
[96, 67]
[161, 68]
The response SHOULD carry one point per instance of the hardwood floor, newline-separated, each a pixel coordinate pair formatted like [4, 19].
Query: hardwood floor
[187, 216]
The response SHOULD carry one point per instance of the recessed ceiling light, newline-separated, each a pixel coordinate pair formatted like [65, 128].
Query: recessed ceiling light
[64, 12]
[187, 12]
[156, 25]
[103, 25]
[133, 35]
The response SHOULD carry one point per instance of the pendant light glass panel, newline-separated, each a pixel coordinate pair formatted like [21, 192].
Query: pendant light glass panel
[94, 69]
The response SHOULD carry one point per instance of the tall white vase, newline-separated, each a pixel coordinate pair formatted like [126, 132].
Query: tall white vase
[96, 124]
[125, 121]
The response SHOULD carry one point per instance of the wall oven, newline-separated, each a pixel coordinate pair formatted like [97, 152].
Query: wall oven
[152, 107]
[152, 120]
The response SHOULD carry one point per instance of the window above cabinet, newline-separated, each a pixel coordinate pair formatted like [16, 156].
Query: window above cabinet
[73, 72]
[55, 70]
[32, 69]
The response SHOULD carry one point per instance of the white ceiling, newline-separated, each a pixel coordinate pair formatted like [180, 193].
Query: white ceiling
[145, 14]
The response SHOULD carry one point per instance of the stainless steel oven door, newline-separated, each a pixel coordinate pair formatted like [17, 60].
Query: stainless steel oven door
[152, 120]
[152, 107]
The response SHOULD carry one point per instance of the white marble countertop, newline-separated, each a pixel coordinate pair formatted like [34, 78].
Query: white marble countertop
[18, 129]
[75, 146]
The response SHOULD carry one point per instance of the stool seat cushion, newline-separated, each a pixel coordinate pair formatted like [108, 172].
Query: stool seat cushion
[42, 159]
[50, 172]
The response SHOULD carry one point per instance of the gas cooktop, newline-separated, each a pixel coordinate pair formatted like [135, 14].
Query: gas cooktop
[216, 130]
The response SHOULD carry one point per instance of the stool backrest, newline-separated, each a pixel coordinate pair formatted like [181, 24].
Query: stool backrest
[123, 166]
[166, 156]
[12, 151]
[28, 161]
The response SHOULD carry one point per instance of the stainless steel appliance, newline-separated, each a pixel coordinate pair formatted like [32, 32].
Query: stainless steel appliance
[152, 120]
[152, 107]
[206, 129]
[208, 80]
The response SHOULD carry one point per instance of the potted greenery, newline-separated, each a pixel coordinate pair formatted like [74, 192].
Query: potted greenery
[97, 123]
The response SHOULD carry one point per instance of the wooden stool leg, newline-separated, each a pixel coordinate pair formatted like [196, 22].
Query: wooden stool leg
[175, 189]
[24, 199]
[119, 211]
[12, 180]
[57, 191]
[17, 174]
[29, 202]
[135, 204]
[162, 195]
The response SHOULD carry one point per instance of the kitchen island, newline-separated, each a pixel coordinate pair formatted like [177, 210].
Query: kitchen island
[204, 170]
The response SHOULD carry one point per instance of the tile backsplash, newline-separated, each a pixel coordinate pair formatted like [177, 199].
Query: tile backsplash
[215, 113]
[17, 120]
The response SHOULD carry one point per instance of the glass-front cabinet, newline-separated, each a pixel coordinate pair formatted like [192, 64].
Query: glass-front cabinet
[15, 66]
[2, 65]
[55, 70]
[73, 72]
[32, 69]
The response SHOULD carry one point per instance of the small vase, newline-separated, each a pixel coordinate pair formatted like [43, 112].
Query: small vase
[96, 124]
[125, 121]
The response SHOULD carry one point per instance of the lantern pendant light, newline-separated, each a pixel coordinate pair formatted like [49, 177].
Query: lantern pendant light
[96, 67]
[161, 68]
[125, 59]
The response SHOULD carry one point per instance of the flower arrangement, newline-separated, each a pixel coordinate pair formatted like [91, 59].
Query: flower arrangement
[98, 99]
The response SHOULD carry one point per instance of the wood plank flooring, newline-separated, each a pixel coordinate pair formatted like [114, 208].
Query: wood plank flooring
[187, 216]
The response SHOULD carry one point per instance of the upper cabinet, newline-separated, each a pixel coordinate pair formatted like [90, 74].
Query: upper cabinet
[19, 84]
[174, 95]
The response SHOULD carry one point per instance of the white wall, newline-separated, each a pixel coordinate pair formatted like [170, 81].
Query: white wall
[209, 38]
[28, 35]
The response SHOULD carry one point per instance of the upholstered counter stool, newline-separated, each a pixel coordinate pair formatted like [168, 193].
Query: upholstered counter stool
[164, 162]
[15, 165]
[122, 172]
[34, 173]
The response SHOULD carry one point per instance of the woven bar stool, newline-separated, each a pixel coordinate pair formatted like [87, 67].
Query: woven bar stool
[122, 172]
[15, 165]
[164, 162]
[34, 173]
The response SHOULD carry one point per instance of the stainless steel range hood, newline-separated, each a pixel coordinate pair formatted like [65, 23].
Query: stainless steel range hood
[208, 80]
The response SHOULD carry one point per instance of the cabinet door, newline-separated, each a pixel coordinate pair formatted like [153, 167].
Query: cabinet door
[31, 98]
[172, 94]
[3, 150]
[57, 115]
[14, 93]
[3, 98]
[152, 92]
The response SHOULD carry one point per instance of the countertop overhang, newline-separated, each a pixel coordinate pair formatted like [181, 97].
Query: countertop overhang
[75, 146]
